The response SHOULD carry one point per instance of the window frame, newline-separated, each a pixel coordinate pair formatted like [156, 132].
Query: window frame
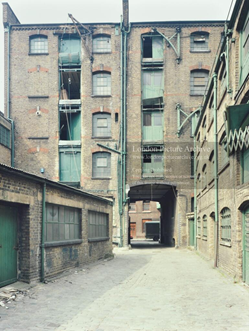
[102, 90]
[204, 226]
[198, 90]
[96, 41]
[5, 139]
[100, 174]
[101, 131]
[33, 49]
[101, 225]
[193, 45]
[225, 226]
[76, 228]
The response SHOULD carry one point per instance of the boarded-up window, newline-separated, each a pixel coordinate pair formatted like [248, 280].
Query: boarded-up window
[199, 41]
[152, 126]
[62, 223]
[198, 82]
[102, 125]
[101, 166]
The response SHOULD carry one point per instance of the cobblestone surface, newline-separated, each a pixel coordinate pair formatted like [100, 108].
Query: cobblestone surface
[141, 289]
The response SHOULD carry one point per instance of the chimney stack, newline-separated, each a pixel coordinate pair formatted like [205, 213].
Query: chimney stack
[126, 14]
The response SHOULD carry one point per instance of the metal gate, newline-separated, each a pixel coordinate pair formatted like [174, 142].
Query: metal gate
[8, 245]
[246, 246]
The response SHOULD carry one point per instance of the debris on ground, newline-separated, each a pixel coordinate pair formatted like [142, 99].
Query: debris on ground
[10, 294]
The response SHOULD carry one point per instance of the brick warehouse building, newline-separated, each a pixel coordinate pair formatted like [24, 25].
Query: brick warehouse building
[222, 163]
[94, 106]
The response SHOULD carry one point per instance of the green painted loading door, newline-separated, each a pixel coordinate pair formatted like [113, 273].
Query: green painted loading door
[191, 232]
[8, 244]
[246, 247]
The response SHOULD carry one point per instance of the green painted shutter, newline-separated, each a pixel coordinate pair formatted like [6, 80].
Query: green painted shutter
[157, 47]
[70, 50]
[70, 166]
[75, 126]
[245, 165]
[152, 89]
[8, 242]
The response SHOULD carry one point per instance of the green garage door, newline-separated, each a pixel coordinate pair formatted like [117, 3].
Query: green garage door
[8, 245]
[246, 247]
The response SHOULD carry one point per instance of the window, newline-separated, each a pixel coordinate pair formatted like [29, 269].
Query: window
[98, 226]
[4, 136]
[199, 41]
[38, 44]
[204, 226]
[244, 50]
[146, 206]
[211, 166]
[70, 165]
[101, 165]
[102, 84]
[204, 176]
[198, 82]
[102, 44]
[62, 223]
[192, 204]
[226, 224]
[101, 125]
[223, 150]
[245, 165]
[152, 126]
[204, 128]
[199, 226]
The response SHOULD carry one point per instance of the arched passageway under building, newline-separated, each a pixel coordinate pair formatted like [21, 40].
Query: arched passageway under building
[165, 196]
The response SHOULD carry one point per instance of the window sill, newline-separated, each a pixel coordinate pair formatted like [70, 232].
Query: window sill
[38, 54]
[204, 238]
[5, 146]
[38, 96]
[198, 237]
[101, 178]
[101, 137]
[101, 96]
[63, 243]
[146, 211]
[98, 239]
[196, 95]
[103, 52]
[224, 243]
[200, 51]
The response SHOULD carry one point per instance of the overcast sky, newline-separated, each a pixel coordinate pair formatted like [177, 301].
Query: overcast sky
[87, 11]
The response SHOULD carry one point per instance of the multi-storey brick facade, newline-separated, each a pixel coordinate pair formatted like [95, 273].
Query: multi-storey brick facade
[76, 88]
[222, 160]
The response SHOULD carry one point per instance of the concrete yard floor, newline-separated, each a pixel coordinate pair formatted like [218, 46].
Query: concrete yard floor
[153, 288]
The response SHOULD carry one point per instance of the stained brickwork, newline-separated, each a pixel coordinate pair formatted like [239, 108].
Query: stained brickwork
[24, 191]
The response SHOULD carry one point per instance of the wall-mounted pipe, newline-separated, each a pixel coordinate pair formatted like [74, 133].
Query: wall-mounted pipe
[43, 232]
[228, 34]
[195, 195]
[8, 74]
[12, 143]
[216, 171]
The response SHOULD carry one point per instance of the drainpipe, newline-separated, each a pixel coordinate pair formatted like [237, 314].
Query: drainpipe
[8, 102]
[12, 143]
[216, 172]
[227, 33]
[195, 196]
[122, 135]
[43, 232]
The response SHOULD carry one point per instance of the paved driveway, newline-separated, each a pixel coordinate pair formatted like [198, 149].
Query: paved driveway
[142, 289]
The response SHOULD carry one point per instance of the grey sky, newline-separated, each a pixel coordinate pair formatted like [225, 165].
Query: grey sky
[87, 11]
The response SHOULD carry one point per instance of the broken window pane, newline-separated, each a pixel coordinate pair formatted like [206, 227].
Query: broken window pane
[147, 119]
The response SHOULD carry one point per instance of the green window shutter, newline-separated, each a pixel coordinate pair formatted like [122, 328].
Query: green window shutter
[70, 166]
[76, 126]
[157, 47]
[69, 51]
[244, 37]
[152, 88]
[245, 165]
[65, 167]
